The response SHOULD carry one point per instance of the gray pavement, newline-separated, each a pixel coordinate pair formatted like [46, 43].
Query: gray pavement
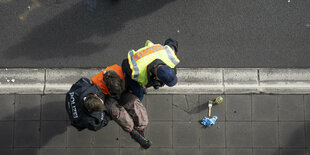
[247, 125]
[255, 119]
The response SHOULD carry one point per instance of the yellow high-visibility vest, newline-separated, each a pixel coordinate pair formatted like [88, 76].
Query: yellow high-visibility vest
[140, 59]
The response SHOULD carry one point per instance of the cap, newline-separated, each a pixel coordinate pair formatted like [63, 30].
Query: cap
[167, 75]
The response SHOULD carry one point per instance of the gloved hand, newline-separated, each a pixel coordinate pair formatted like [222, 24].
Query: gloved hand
[157, 84]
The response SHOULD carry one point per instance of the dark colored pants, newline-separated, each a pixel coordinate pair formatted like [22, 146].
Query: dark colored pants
[134, 86]
[128, 112]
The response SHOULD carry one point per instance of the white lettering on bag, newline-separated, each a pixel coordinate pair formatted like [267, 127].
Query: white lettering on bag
[73, 107]
[102, 116]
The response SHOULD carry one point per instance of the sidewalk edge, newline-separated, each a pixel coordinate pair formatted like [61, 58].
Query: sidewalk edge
[190, 81]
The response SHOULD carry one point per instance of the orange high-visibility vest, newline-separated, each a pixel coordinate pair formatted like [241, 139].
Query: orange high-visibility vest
[98, 79]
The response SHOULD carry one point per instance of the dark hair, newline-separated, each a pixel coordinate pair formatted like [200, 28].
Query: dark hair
[93, 103]
[113, 82]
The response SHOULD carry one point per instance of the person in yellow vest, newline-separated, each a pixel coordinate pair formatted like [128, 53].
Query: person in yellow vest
[152, 65]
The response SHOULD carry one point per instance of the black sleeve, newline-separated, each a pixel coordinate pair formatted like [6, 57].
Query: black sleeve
[173, 44]
[95, 124]
[82, 82]
[126, 68]
[80, 125]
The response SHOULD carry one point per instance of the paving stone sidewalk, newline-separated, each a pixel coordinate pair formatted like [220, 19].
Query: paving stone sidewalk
[247, 125]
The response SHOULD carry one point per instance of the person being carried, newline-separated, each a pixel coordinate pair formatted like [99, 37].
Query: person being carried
[85, 106]
[124, 108]
[152, 65]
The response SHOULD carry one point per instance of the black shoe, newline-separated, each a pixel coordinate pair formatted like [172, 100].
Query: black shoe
[140, 139]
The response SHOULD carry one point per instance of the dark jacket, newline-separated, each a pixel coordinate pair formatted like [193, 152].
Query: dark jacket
[78, 114]
[151, 78]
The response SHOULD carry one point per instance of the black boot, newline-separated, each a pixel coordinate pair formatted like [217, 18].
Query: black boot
[141, 132]
[140, 139]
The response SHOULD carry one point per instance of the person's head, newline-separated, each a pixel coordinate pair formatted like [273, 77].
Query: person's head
[166, 74]
[93, 103]
[114, 83]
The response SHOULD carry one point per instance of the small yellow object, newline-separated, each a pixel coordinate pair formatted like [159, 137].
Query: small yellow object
[218, 100]
[30, 8]
[21, 17]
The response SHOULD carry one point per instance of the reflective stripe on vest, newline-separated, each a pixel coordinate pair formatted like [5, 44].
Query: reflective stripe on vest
[135, 69]
[140, 59]
[170, 56]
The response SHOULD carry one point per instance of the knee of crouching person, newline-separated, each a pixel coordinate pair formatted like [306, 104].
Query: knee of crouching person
[128, 98]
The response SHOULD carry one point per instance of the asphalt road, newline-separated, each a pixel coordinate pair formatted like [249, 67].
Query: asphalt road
[211, 33]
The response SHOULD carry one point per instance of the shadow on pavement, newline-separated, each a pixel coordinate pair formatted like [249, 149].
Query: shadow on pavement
[80, 32]
[199, 108]
[297, 139]
[33, 130]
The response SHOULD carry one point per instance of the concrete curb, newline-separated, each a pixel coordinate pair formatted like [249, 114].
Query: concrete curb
[191, 81]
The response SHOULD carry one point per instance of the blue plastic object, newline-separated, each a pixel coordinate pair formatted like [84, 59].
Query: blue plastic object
[208, 121]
